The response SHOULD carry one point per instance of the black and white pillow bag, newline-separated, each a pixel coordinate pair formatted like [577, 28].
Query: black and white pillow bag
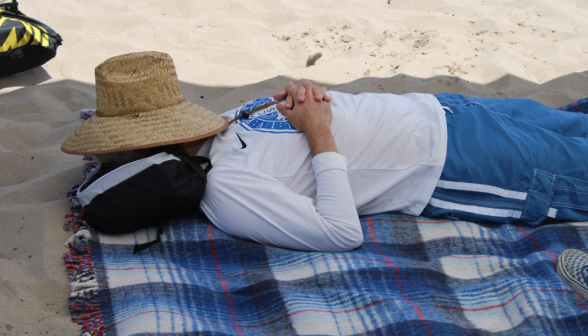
[143, 193]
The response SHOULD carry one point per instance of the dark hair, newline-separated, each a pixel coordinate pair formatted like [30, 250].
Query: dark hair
[118, 158]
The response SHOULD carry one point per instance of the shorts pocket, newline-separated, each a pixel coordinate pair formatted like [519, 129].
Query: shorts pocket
[539, 197]
[571, 198]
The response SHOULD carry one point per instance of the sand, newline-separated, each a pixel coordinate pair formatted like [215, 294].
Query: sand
[228, 52]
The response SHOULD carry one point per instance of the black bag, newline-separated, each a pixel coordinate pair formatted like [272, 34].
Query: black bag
[25, 43]
[144, 193]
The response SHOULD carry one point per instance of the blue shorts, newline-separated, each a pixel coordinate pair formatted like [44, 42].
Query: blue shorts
[511, 160]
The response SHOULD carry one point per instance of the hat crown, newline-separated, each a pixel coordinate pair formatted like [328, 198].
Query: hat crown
[136, 82]
[141, 91]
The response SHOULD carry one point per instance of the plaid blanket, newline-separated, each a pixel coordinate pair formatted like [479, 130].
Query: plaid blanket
[411, 276]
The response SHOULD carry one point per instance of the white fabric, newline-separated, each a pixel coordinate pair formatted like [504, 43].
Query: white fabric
[117, 176]
[391, 152]
[482, 188]
[475, 209]
[552, 213]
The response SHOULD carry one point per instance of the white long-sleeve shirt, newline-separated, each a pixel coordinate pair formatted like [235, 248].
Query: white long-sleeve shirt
[266, 186]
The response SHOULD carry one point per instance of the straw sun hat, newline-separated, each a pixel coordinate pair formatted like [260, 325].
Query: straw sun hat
[140, 105]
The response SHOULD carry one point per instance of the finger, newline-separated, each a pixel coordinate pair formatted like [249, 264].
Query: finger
[301, 93]
[291, 90]
[309, 86]
[326, 97]
[280, 95]
[283, 110]
[318, 92]
[309, 89]
[289, 102]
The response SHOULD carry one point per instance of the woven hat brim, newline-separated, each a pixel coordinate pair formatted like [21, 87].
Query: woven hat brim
[183, 122]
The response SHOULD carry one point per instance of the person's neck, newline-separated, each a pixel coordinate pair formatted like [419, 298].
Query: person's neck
[193, 147]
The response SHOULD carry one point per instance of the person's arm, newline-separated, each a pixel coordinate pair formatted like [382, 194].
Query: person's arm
[313, 118]
[252, 205]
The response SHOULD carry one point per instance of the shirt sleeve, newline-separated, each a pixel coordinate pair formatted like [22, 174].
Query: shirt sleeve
[253, 205]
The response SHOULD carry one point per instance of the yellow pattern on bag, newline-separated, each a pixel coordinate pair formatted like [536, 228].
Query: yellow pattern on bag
[33, 32]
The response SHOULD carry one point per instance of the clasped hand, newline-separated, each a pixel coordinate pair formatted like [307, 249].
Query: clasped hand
[312, 108]
[311, 114]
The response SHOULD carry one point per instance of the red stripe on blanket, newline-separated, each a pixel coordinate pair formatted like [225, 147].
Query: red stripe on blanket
[507, 302]
[224, 283]
[147, 268]
[397, 273]
[538, 246]
[410, 221]
[388, 262]
[245, 273]
[580, 302]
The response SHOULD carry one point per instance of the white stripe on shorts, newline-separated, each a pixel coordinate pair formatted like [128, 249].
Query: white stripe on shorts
[475, 209]
[482, 188]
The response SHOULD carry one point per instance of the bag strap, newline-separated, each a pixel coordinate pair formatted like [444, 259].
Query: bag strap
[11, 6]
[193, 162]
[142, 247]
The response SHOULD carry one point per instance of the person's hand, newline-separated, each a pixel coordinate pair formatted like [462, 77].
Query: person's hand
[313, 118]
[301, 88]
[306, 114]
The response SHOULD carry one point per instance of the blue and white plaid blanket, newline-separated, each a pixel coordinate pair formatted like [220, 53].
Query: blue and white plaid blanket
[411, 276]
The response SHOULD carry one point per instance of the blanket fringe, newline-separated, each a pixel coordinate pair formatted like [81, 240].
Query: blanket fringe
[76, 217]
[84, 299]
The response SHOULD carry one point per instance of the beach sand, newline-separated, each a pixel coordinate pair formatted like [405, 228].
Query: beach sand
[229, 52]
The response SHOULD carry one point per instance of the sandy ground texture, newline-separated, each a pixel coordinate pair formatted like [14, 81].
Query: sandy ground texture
[227, 52]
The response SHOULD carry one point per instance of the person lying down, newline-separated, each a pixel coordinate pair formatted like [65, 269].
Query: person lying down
[297, 170]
